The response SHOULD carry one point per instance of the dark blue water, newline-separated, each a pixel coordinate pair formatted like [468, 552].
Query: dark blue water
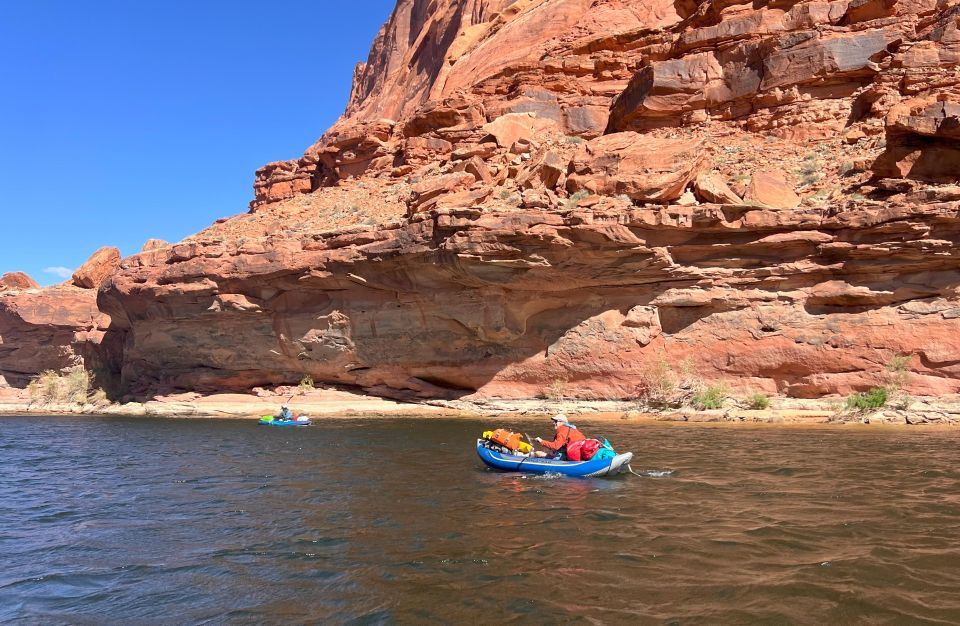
[382, 522]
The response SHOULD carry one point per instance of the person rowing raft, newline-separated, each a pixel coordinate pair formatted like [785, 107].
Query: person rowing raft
[565, 433]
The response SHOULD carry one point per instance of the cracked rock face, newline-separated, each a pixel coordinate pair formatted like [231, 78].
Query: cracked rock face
[531, 191]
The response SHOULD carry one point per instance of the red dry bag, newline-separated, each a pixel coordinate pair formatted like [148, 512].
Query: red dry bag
[589, 448]
[574, 450]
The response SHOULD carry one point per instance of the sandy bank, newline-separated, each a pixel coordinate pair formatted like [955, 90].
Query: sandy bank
[337, 403]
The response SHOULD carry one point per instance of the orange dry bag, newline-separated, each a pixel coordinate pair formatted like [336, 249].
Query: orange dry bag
[507, 439]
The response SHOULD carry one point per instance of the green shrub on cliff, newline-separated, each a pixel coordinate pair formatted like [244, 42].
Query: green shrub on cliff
[758, 402]
[710, 398]
[870, 400]
[306, 382]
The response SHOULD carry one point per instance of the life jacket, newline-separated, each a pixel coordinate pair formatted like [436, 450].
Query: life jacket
[510, 440]
[563, 437]
[574, 434]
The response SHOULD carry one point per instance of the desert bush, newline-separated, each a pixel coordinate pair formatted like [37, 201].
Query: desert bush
[898, 374]
[45, 387]
[572, 201]
[664, 385]
[306, 382]
[898, 379]
[658, 383]
[758, 402]
[75, 385]
[98, 397]
[711, 397]
[873, 399]
[689, 378]
[574, 140]
[71, 385]
[809, 170]
[556, 390]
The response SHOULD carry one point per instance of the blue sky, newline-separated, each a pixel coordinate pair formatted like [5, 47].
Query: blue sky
[122, 121]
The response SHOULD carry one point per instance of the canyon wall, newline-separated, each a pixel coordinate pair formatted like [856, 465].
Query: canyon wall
[567, 194]
[805, 302]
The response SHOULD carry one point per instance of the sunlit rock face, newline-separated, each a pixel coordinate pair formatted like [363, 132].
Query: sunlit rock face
[51, 329]
[535, 194]
[454, 302]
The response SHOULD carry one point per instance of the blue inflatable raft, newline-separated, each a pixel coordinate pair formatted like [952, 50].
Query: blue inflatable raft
[514, 463]
[270, 421]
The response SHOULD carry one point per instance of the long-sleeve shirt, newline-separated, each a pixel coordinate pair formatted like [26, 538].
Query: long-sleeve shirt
[564, 435]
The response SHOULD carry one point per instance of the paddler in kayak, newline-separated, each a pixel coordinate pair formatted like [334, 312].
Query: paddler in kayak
[564, 433]
[285, 413]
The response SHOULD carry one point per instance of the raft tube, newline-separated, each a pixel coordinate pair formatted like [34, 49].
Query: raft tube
[514, 463]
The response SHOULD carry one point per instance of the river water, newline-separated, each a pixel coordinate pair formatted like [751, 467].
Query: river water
[106, 520]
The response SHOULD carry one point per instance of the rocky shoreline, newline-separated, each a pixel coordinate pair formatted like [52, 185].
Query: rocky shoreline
[340, 404]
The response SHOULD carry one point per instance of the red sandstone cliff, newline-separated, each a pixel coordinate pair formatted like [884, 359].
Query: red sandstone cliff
[573, 190]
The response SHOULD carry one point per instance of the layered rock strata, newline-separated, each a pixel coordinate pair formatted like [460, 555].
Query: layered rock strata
[453, 302]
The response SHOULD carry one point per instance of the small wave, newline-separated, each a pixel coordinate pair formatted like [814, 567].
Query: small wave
[657, 473]
[547, 476]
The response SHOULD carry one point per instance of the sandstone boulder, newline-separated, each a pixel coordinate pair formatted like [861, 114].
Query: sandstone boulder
[91, 274]
[648, 169]
[17, 280]
[50, 329]
[483, 150]
[425, 191]
[865, 10]
[710, 187]
[478, 167]
[545, 170]
[770, 188]
[154, 244]
[445, 114]
[423, 150]
[512, 127]
[923, 141]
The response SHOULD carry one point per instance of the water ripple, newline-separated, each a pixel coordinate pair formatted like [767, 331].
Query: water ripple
[395, 521]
